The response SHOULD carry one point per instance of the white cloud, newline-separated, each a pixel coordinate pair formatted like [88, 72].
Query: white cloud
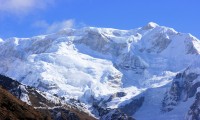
[54, 27]
[20, 7]
[60, 25]
[41, 24]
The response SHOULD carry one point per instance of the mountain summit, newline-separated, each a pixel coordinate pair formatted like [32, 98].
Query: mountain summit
[105, 68]
[150, 25]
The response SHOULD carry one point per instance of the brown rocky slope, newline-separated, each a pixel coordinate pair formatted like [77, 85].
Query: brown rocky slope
[13, 109]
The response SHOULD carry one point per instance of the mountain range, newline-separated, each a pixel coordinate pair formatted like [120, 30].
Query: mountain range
[151, 72]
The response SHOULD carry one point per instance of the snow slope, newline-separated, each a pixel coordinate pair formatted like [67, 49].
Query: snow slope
[97, 63]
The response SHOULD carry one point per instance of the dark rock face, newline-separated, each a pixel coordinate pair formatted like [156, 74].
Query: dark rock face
[110, 114]
[120, 94]
[116, 114]
[96, 41]
[133, 106]
[63, 114]
[133, 62]
[194, 112]
[171, 97]
[182, 88]
[113, 114]
[101, 110]
[8, 83]
[189, 87]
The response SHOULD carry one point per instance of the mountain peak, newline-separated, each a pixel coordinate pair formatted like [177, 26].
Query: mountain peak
[150, 25]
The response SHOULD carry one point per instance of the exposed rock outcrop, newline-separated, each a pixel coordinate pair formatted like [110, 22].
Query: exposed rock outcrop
[184, 86]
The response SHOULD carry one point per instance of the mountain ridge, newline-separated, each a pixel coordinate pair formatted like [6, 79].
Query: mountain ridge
[14, 109]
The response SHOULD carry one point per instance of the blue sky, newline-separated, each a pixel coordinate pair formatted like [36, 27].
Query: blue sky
[26, 18]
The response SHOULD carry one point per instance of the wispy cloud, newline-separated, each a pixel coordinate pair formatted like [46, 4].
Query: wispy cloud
[41, 24]
[21, 7]
[54, 27]
[60, 25]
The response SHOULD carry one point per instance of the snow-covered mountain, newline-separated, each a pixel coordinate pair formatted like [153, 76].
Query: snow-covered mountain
[105, 68]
